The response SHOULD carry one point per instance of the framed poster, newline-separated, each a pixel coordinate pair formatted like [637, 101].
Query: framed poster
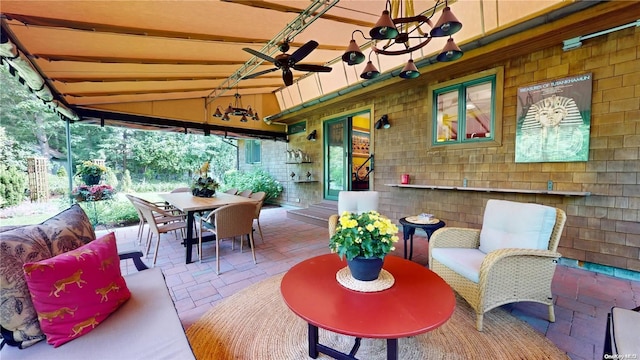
[554, 120]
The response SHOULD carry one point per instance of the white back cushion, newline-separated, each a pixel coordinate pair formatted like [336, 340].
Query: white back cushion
[509, 224]
[357, 201]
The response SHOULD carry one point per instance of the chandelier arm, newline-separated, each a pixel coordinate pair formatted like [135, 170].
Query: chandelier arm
[400, 52]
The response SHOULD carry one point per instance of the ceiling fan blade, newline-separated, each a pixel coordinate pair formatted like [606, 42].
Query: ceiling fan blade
[303, 51]
[251, 76]
[312, 68]
[287, 76]
[259, 54]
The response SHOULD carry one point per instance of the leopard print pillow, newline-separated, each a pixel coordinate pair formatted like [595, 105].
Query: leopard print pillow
[66, 231]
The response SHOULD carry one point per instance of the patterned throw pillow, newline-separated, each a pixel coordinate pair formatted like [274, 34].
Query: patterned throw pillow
[66, 231]
[75, 291]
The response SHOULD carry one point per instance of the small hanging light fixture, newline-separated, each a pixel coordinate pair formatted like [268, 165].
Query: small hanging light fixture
[370, 70]
[410, 71]
[236, 109]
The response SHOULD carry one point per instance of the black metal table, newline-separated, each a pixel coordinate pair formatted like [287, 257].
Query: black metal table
[409, 229]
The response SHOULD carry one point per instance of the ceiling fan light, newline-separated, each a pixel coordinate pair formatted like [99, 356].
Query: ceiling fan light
[218, 113]
[353, 55]
[450, 52]
[410, 71]
[369, 71]
[447, 25]
[384, 28]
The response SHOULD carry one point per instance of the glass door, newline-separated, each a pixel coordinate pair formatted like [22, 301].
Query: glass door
[337, 165]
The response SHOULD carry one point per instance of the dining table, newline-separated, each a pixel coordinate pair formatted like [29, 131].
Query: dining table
[190, 205]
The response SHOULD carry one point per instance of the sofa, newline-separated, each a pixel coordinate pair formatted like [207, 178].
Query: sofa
[143, 325]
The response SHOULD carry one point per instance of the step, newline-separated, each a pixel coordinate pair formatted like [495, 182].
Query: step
[316, 214]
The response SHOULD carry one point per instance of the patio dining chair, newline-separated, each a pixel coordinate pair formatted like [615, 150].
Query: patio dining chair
[259, 196]
[511, 259]
[228, 222]
[231, 191]
[162, 215]
[245, 193]
[157, 226]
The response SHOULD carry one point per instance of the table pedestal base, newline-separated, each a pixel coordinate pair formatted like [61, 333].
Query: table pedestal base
[315, 348]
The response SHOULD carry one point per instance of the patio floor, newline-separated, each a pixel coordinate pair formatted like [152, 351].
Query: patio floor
[582, 298]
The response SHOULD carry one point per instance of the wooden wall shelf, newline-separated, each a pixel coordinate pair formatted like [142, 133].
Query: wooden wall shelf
[480, 189]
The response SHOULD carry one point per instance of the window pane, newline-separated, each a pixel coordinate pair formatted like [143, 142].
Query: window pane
[252, 151]
[447, 116]
[478, 111]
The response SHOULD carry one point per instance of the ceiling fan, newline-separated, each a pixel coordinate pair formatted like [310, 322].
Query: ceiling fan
[287, 62]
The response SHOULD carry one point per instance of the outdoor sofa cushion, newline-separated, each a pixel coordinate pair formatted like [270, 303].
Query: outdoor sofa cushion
[75, 291]
[508, 224]
[145, 327]
[65, 231]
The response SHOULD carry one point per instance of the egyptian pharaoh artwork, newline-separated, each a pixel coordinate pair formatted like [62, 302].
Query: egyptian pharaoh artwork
[553, 128]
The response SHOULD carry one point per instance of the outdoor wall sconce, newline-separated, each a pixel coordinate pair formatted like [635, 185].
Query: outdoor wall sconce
[312, 136]
[383, 122]
[399, 24]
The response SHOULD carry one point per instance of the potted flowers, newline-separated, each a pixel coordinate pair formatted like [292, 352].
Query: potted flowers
[90, 172]
[204, 185]
[92, 193]
[364, 239]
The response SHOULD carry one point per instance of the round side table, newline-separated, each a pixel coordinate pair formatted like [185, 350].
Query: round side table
[409, 229]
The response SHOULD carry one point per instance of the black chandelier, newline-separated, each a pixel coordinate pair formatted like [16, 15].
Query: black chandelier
[400, 30]
[236, 109]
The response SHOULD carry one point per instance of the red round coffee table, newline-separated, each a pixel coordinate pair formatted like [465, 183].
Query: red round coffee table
[419, 301]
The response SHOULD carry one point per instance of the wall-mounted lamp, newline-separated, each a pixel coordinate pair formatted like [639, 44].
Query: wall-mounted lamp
[312, 136]
[383, 122]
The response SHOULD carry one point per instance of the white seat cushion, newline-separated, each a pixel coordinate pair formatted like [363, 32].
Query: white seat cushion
[625, 328]
[464, 261]
[509, 224]
[357, 201]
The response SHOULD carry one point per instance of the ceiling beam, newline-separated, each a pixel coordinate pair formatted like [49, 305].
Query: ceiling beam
[140, 78]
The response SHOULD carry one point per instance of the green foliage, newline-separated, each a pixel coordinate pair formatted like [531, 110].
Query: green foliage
[368, 234]
[12, 186]
[58, 185]
[62, 172]
[125, 183]
[256, 180]
[118, 211]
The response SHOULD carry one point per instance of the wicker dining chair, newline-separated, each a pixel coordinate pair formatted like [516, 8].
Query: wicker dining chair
[162, 215]
[511, 259]
[157, 226]
[259, 197]
[228, 222]
[245, 193]
[231, 191]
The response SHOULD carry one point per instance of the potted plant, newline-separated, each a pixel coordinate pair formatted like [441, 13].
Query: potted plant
[204, 185]
[364, 239]
[90, 172]
[92, 192]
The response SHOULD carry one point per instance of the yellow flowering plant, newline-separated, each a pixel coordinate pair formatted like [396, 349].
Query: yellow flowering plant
[368, 235]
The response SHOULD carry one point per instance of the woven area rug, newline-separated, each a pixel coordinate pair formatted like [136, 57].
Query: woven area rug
[256, 324]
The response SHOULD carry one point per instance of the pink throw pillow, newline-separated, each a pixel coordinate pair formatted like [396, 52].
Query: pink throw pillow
[75, 291]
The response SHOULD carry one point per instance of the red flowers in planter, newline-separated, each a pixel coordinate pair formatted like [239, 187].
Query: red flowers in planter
[93, 192]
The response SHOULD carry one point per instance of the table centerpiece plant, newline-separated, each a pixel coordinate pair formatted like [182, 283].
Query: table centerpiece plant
[90, 172]
[364, 238]
[204, 185]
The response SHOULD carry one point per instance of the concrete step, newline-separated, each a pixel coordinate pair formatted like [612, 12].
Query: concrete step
[316, 214]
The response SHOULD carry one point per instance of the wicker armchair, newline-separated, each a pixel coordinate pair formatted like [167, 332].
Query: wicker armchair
[355, 202]
[510, 269]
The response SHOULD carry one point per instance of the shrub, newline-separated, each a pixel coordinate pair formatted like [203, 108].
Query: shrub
[126, 184]
[256, 180]
[12, 186]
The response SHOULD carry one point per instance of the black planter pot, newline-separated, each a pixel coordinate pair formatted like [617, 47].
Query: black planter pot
[203, 192]
[91, 179]
[365, 269]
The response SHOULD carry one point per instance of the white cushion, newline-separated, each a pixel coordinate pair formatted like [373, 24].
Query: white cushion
[625, 328]
[464, 261]
[357, 201]
[145, 327]
[509, 224]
